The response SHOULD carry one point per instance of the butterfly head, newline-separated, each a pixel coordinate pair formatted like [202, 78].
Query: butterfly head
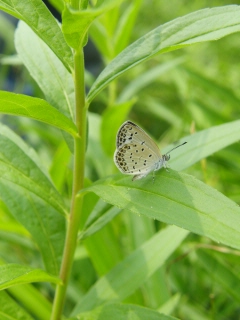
[166, 157]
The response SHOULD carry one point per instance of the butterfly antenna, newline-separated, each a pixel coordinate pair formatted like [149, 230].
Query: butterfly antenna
[176, 147]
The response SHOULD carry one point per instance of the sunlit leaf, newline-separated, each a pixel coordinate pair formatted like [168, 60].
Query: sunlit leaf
[35, 108]
[14, 274]
[123, 311]
[129, 274]
[42, 22]
[175, 198]
[200, 26]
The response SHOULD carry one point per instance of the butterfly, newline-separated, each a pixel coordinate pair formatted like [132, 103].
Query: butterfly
[137, 154]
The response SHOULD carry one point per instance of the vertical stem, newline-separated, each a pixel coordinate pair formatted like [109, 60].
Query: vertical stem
[78, 179]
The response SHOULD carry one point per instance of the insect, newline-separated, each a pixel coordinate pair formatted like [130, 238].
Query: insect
[137, 154]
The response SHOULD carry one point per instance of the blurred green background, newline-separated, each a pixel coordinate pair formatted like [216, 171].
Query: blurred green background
[175, 94]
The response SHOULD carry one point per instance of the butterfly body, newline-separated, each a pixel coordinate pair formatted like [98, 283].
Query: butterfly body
[137, 154]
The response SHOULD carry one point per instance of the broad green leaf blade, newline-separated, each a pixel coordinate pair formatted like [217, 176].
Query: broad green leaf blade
[10, 310]
[46, 69]
[42, 22]
[45, 224]
[221, 273]
[204, 143]
[35, 108]
[177, 199]
[31, 198]
[76, 23]
[123, 311]
[20, 165]
[15, 274]
[203, 25]
[129, 274]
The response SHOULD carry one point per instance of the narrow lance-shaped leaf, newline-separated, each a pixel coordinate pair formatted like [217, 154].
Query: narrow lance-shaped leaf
[177, 199]
[42, 22]
[147, 78]
[119, 311]
[46, 69]
[204, 143]
[133, 271]
[203, 25]
[35, 108]
[14, 274]
[31, 198]
[10, 307]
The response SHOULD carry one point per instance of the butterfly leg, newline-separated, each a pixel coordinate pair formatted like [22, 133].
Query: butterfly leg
[167, 166]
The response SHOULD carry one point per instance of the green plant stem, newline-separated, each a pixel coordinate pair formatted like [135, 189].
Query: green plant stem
[78, 180]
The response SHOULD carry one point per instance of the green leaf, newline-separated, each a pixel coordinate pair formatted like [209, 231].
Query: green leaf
[160, 111]
[221, 273]
[58, 4]
[102, 259]
[59, 166]
[35, 108]
[32, 299]
[131, 273]
[100, 38]
[42, 22]
[10, 310]
[123, 311]
[100, 222]
[76, 23]
[7, 37]
[15, 274]
[177, 199]
[200, 26]
[170, 305]
[46, 69]
[95, 154]
[220, 91]
[204, 143]
[126, 25]
[31, 198]
[112, 119]
[147, 78]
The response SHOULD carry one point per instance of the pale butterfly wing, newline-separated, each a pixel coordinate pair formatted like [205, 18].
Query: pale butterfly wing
[134, 158]
[129, 132]
[136, 154]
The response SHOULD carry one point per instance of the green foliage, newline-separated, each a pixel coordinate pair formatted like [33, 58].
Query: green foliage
[37, 16]
[79, 241]
[13, 274]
